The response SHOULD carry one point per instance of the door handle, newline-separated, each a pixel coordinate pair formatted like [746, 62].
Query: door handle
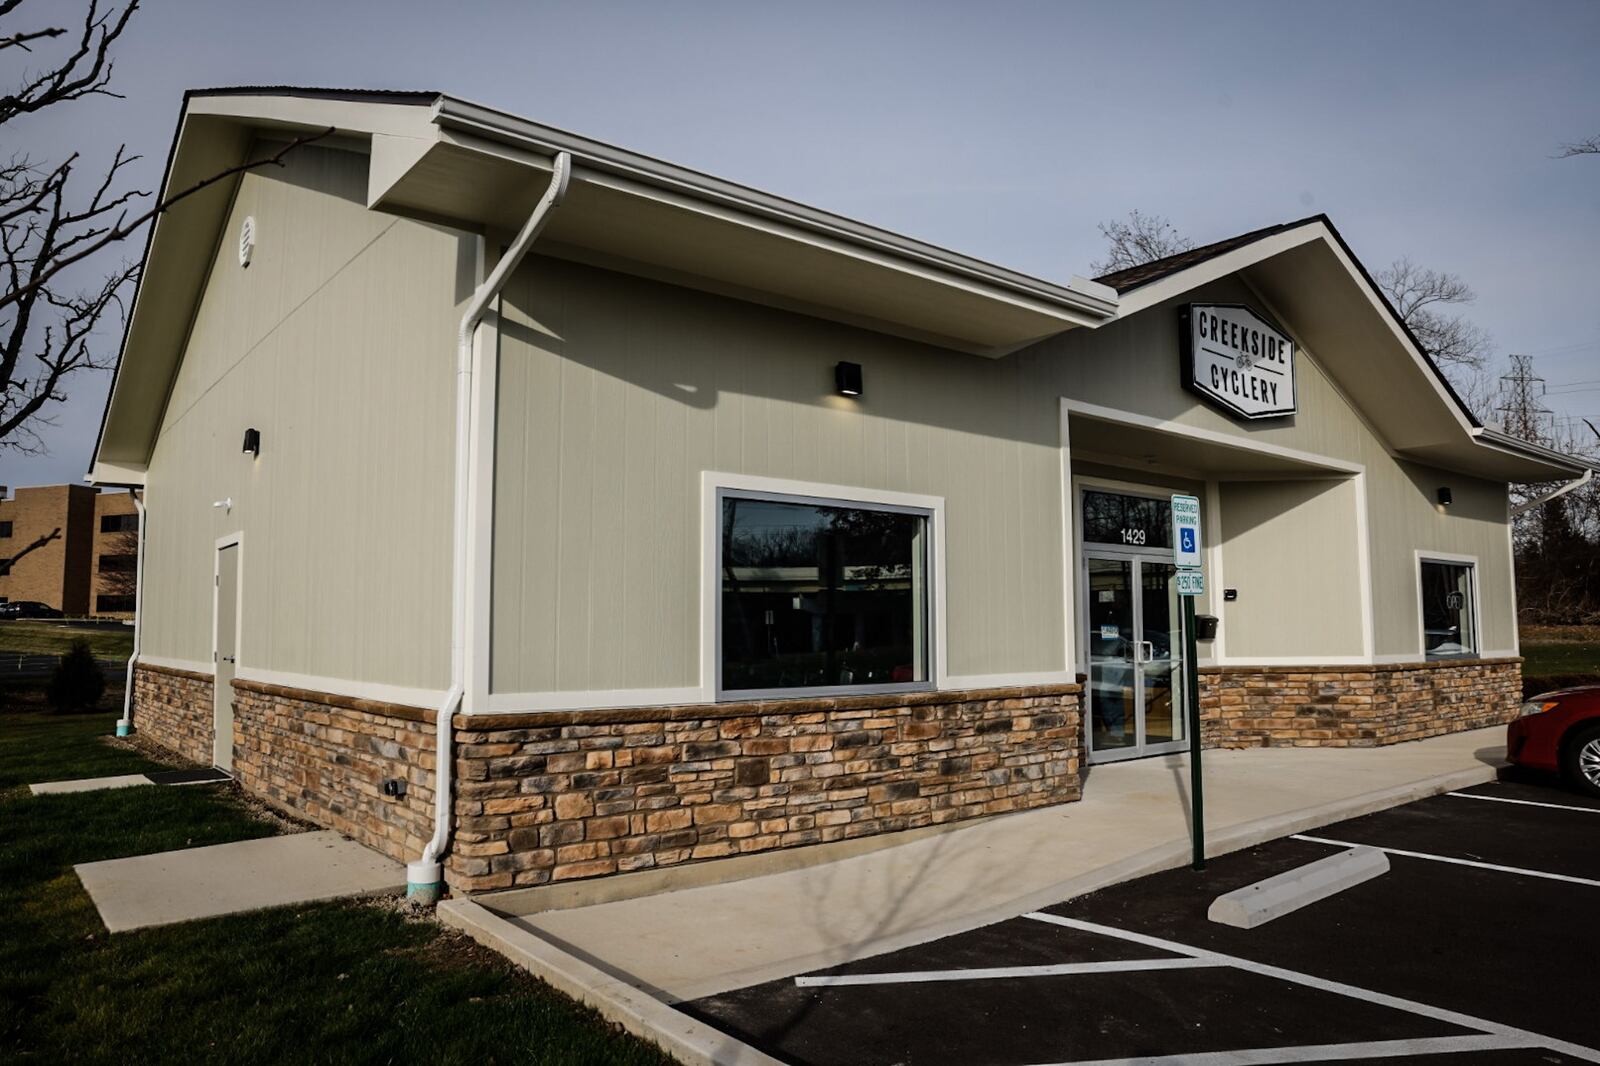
[1146, 651]
[227, 658]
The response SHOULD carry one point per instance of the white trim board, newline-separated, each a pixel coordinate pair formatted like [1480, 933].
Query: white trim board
[713, 481]
[422, 698]
[1236, 442]
[1422, 555]
[189, 665]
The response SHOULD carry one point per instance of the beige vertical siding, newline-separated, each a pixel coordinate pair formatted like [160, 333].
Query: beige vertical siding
[337, 344]
[615, 393]
[1291, 549]
[1405, 514]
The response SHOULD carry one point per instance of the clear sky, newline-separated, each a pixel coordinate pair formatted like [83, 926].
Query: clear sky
[1003, 130]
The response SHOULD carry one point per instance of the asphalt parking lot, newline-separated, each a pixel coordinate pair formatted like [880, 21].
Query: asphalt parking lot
[1480, 945]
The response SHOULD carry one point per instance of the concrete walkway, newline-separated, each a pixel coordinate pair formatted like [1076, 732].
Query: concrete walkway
[88, 784]
[180, 886]
[699, 941]
[196, 776]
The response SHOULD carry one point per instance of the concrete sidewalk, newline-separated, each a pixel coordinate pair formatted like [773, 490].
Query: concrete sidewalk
[180, 886]
[681, 945]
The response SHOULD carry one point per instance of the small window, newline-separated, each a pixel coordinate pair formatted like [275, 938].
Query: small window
[5, 567]
[119, 523]
[1449, 610]
[113, 604]
[5, 529]
[819, 596]
[1126, 521]
[118, 564]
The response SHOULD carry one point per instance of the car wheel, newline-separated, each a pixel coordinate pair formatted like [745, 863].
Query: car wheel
[1580, 760]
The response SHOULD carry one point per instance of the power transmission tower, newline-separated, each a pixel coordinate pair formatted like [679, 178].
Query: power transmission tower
[1522, 414]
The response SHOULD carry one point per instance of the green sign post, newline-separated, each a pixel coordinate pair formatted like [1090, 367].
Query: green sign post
[1191, 583]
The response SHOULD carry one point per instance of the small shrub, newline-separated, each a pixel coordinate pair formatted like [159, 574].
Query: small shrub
[77, 683]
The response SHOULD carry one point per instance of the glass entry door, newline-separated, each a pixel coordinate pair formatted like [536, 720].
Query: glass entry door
[1135, 631]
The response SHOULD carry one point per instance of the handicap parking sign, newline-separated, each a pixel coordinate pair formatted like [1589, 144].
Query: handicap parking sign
[1185, 531]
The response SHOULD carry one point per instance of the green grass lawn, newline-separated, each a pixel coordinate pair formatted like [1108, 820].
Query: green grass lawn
[43, 637]
[336, 982]
[1545, 660]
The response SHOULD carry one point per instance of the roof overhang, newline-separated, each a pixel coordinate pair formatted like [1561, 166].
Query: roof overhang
[485, 168]
[445, 160]
[1307, 278]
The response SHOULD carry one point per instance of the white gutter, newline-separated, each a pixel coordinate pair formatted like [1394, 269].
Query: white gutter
[125, 723]
[425, 877]
[1561, 490]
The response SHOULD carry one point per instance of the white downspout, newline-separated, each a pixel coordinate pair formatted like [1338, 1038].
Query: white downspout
[125, 723]
[425, 877]
[1560, 490]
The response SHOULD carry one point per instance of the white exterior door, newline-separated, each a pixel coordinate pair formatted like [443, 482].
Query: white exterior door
[226, 654]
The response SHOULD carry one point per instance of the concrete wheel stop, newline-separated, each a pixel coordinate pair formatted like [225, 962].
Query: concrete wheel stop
[1258, 904]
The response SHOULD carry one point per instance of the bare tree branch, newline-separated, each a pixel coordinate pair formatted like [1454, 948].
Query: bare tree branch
[1418, 296]
[1138, 240]
[23, 38]
[80, 246]
[85, 71]
[1590, 146]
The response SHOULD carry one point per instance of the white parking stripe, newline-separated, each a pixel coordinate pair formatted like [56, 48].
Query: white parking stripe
[911, 977]
[1373, 1049]
[1525, 803]
[1455, 862]
[1411, 1006]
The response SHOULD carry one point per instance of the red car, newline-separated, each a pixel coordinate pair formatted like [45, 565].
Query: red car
[1560, 731]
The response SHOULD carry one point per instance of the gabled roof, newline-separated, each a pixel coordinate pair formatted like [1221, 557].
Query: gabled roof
[447, 160]
[442, 159]
[1307, 273]
[1130, 278]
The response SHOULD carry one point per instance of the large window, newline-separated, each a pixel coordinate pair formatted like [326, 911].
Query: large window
[821, 595]
[1449, 610]
[119, 523]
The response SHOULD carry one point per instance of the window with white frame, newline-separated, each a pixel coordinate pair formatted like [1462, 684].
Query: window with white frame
[1449, 609]
[821, 595]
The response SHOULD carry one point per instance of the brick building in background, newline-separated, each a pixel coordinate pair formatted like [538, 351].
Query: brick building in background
[70, 546]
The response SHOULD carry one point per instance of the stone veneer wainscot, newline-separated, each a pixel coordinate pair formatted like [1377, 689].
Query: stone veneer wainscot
[1355, 706]
[173, 708]
[563, 795]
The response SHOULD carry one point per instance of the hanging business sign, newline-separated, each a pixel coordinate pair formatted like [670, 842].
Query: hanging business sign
[1237, 360]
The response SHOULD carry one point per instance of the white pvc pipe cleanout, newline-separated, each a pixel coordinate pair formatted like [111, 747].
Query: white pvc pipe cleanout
[425, 877]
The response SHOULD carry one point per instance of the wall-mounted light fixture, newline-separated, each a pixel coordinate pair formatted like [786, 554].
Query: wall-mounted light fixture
[252, 443]
[1445, 497]
[847, 378]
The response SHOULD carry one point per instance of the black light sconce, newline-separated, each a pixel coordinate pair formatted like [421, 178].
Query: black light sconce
[252, 443]
[847, 378]
[1445, 497]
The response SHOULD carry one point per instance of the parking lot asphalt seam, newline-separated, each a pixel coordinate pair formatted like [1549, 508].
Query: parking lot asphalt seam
[1370, 1049]
[1524, 803]
[1590, 882]
[992, 973]
[1382, 999]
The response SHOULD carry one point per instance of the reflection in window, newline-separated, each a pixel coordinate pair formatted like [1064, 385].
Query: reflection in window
[819, 596]
[1126, 521]
[1449, 620]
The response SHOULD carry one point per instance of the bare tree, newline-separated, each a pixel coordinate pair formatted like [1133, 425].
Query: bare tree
[1420, 296]
[1137, 240]
[52, 223]
[1589, 146]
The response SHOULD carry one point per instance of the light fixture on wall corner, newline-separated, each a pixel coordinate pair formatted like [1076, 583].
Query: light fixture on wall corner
[1445, 497]
[847, 378]
[252, 443]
